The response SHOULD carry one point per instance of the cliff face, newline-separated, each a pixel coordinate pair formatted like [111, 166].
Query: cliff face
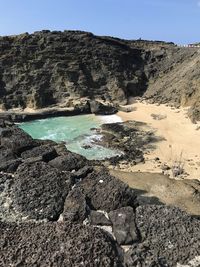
[50, 67]
[45, 68]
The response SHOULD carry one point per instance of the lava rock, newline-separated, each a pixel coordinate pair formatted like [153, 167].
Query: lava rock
[168, 234]
[39, 191]
[105, 192]
[75, 207]
[47, 153]
[98, 218]
[10, 166]
[124, 228]
[83, 172]
[56, 244]
[68, 162]
[16, 140]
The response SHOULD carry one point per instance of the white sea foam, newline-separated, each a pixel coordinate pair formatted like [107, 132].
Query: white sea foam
[110, 118]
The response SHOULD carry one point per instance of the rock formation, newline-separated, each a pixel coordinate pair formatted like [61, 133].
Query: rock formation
[59, 209]
[58, 68]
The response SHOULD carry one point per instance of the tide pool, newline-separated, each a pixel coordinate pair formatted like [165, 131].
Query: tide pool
[75, 131]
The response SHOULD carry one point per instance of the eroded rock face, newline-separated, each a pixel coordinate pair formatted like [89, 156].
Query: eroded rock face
[53, 244]
[104, 192]
[45, 68]
[39, 190]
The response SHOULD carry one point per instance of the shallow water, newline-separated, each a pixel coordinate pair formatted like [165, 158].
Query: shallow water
[75, 131]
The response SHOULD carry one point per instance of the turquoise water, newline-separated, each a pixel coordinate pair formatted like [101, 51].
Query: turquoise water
[75, 131]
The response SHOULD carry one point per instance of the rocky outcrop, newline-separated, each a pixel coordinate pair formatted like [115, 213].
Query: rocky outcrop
[50, 215]
[48, 69]
[116, 195]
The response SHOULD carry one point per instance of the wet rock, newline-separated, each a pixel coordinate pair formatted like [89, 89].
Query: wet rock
[75, 207]
[47, 153]
[68, 162]
[104, 192]
[168, 235]
[99, 108]
[124, 228]
[56, 244]
[39, 191]
[98, 218]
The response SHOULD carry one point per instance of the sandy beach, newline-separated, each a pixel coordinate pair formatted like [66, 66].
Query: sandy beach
[181, 139]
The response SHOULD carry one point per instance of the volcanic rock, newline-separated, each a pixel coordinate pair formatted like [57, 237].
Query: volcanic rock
[169, 236]
[75, 207]
[56, 244]
[124, 228]
[68, 162]
[39, 190]
[104, 192]
[98, 218]
[47, 153]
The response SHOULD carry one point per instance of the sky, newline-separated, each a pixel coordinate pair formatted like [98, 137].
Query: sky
[167, 20]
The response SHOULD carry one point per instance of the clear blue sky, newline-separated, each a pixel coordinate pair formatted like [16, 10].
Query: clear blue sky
[170, 20]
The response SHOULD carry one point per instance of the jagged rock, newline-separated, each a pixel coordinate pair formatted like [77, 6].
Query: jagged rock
[104, 192]
[169, 236]
[39, 191]
[47, 153]
[56, 244]
[75, 207]
[83, 172]
[124, 228]
[98, 218]
[6, 154]
[68, 162]
[10, 166]
[99, 108]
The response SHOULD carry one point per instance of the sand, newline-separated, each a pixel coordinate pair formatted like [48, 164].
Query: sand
[182, 139]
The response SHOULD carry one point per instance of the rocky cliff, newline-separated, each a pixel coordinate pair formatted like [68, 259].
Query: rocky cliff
[50, 68]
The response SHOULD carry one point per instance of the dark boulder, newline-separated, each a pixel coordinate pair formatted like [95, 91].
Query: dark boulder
[75, 207]
[105, 192]
[99, 108]
[98, 218]
[39, 191]
[68, 162]
[47, 153]
[83, 172]
[16, 140]
[124, 228]
[10, 166]
[169, 236]
[6, 154]
[56, 244]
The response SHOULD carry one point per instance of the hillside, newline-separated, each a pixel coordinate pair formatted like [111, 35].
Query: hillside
[52, 68]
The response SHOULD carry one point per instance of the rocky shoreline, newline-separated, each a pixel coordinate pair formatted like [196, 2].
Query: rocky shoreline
[54, 199]
[81, 107]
